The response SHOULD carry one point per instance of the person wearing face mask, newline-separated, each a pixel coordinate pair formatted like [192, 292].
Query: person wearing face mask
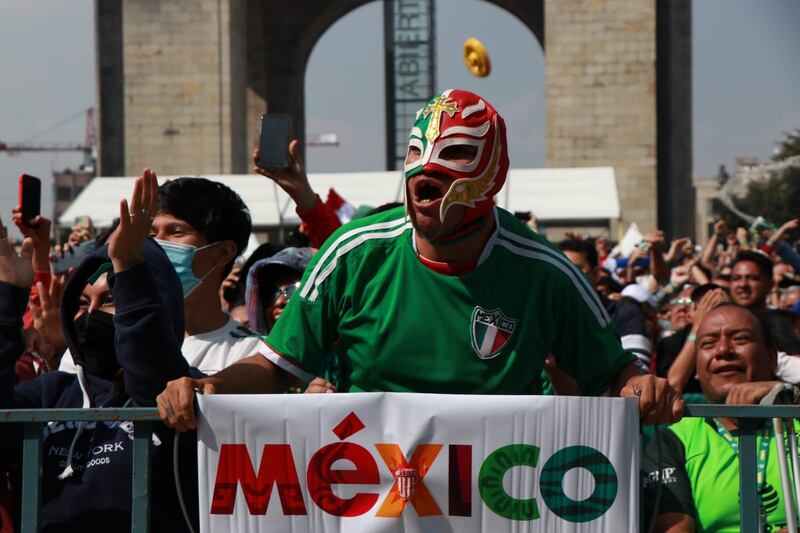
[122, 318]
[203, 226]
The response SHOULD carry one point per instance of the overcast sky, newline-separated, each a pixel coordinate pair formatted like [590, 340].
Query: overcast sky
[745, 82]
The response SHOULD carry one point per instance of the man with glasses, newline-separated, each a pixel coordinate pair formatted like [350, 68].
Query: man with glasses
[271, 282]
[668, 348]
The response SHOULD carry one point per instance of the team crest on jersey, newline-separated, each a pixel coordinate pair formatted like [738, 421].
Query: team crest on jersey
[491, 331]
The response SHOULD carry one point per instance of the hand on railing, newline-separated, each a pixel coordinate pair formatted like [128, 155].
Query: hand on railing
[750, 393]
[659, 402]
[320, 386]
[176, 403]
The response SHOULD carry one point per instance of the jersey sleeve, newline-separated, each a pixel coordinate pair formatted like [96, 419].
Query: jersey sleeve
[629, 320]
[669, 472]
[585, 344]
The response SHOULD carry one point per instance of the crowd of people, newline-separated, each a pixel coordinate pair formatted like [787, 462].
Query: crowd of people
[166, 305]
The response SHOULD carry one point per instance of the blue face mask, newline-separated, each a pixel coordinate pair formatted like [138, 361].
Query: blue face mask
[182, 256]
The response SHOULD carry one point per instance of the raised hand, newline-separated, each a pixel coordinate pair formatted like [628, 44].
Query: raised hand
[787, 227]
[15, 269]
[35, 343]
[47, 314]
[292, 179]
[680, 275]
[655, 239]
[708, 302]
[125, 244]
[40, 233]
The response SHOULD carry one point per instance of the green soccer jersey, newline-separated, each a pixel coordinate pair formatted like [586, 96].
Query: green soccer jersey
[699, 475]
[396, 325]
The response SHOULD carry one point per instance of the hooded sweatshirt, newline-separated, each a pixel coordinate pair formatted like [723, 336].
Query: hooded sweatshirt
[87, 467]
[295, 259]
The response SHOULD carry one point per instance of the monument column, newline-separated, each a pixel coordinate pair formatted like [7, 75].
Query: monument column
[601, 95]
[184, 66]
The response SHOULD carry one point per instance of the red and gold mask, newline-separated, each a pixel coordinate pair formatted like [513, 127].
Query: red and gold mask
[457, 117]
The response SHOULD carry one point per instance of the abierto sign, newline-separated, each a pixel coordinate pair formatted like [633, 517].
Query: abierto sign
[375, 462]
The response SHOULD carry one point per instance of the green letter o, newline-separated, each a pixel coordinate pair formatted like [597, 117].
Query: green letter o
[490, 481]
[605, 484]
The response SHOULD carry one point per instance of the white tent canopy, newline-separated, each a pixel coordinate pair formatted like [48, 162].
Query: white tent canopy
[563, 194]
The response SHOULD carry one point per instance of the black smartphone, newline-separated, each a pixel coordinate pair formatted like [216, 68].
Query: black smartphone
[30, 198]
[73, 256]
[524, 216]
[273, 144]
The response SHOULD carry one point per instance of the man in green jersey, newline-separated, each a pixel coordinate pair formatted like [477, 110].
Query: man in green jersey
[699, 465]
[449, 295]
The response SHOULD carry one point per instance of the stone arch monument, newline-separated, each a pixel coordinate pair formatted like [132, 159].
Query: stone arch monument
[181, 84]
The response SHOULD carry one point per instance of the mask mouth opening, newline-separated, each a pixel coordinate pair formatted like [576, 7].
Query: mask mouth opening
[427, 191]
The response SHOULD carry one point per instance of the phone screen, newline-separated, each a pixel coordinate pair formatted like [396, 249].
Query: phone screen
[30, 198]
[274, 142]
[73, 256]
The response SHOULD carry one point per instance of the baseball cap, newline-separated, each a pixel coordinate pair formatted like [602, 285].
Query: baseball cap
[640, 294]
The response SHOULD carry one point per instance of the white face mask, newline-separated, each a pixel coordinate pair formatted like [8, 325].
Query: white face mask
[182, 256]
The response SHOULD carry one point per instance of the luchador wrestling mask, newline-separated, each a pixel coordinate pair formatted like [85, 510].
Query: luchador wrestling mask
[457, 117]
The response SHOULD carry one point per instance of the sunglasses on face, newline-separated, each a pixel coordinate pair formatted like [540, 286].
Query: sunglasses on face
[682, 301]
[286, 292]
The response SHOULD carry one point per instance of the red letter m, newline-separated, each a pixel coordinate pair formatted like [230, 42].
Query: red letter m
[277, 466]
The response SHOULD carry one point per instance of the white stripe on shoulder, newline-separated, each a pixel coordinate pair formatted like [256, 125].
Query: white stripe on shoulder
[636, 342]
[283, 363]
[546, 249]
[638, 363]
[381, 225]
[593, 306]
[358, 241]
[487, 250]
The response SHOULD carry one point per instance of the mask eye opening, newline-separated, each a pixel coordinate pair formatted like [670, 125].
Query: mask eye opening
[463, 154]
[413, 154]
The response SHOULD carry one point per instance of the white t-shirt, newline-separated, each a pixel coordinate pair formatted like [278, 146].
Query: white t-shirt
[209, 352]
[788, 368]
[212, 351]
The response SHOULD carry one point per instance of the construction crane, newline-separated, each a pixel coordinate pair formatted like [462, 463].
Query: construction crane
[87, 147]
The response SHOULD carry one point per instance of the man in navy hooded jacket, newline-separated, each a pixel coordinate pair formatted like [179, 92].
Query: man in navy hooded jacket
[127, 343]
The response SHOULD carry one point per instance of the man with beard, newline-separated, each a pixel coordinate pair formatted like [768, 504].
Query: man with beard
[449, 295]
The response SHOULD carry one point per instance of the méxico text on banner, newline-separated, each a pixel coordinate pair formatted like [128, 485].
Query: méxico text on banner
[375, 462]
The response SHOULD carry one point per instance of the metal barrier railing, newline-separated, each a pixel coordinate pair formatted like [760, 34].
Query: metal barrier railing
[749, 416]
[143, 418]
[35, 419]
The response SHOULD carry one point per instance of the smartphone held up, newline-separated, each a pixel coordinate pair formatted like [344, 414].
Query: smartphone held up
[273, 143]
[30, 198]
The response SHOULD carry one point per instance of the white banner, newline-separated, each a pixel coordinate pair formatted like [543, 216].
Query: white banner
[386, 462]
